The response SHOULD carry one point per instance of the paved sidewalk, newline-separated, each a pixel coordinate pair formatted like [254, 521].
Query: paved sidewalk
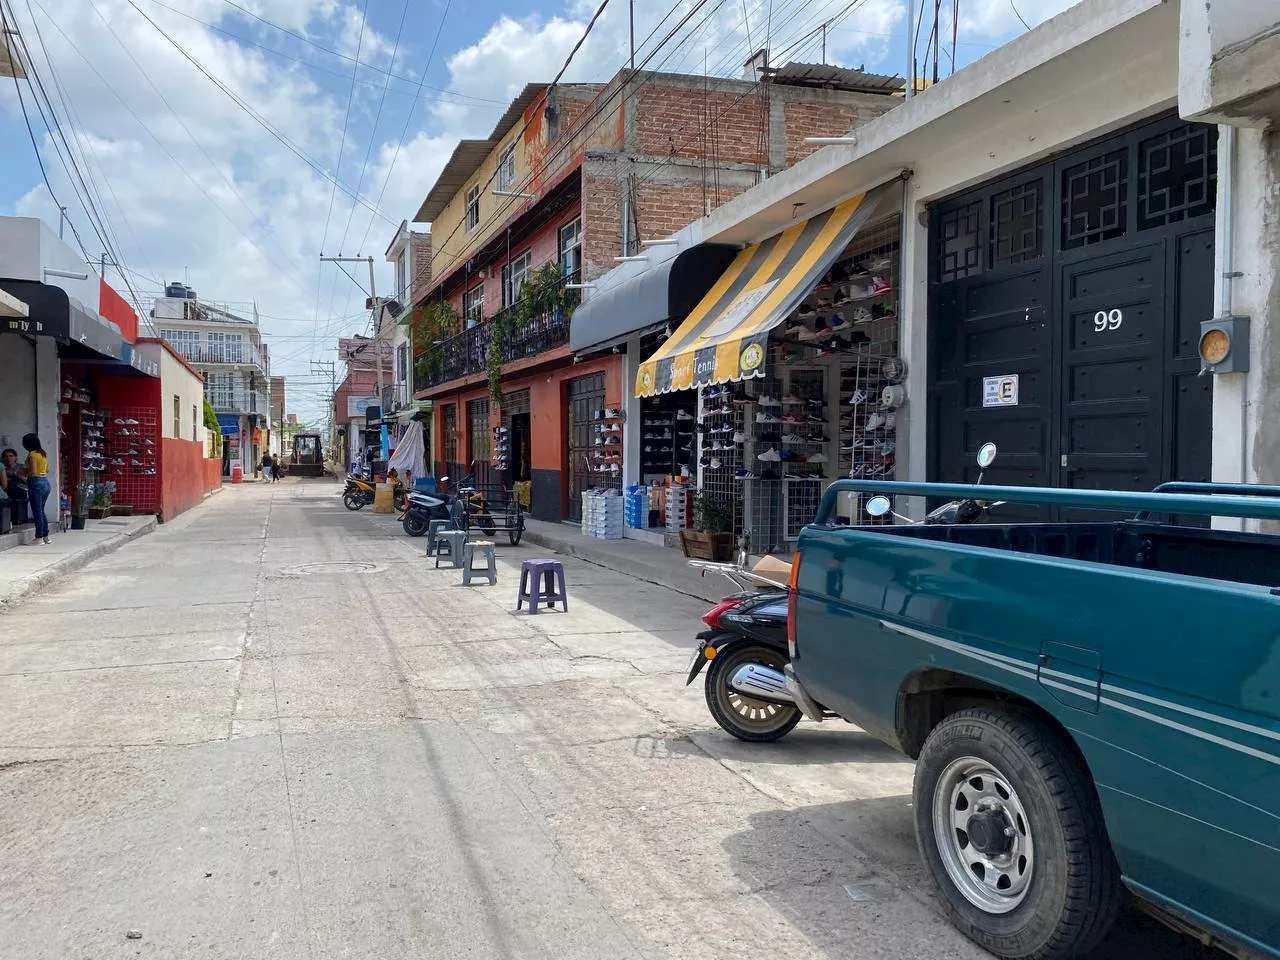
[29, 566]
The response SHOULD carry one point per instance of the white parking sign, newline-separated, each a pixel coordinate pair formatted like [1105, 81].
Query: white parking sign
[1000, 391]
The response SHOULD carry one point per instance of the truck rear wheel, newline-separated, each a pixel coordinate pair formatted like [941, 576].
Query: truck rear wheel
[1009, 824]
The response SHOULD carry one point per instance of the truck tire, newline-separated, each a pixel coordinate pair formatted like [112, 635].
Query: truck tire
[744, 717]
[1008, 822]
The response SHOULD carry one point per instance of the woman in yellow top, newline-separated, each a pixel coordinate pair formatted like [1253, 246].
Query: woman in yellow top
[37, 484]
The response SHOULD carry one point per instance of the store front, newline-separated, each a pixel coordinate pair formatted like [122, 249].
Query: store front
[785, 376]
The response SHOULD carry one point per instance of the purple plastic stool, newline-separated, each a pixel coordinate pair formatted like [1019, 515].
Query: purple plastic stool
[538, 584]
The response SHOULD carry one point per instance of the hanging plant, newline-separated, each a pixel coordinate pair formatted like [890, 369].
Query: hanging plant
[430, 323]
[541, 295]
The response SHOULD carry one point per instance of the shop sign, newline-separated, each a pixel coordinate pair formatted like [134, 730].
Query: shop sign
[143, 364]
[357, 406]
[1000, 391]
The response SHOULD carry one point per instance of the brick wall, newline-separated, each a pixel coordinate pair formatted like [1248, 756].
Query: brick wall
[601, 223]
[684, 121]
[421, 277]
[818, 119]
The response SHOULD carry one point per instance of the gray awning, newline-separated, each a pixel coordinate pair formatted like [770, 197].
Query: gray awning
[666, 291]
[52, 313]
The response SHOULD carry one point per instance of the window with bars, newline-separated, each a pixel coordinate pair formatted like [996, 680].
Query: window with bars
[1016, 224]
[1095, 200]
[473, 208]
[1177, 175]
[451, 434]
[473, 305]
[571, 248]
[217, 347]
[478, 425]
[959, 242]
[507, 168]
[402, 363]
[234, 348]
[514, 276]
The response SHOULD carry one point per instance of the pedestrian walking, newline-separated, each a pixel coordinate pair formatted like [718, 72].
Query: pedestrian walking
[275, 469]
[37, 483]
[265, 466]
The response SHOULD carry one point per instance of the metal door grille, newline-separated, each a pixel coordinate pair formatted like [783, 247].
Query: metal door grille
[586, 409]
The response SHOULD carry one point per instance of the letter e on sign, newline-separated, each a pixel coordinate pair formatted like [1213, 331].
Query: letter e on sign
[1000, 391]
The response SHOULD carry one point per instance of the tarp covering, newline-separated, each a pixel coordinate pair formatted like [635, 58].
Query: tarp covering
[726, 336]
[409, 455]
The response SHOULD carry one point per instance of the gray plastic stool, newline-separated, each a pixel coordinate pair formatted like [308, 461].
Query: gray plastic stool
[453, 541]
[538, 585]
[433, 528]
[486, 549]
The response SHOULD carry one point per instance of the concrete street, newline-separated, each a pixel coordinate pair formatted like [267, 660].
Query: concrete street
[272, 730]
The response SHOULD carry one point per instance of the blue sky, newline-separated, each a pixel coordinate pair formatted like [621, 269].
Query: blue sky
[192, 183]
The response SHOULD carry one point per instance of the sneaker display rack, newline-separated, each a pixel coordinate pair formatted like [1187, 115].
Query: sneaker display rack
[721, 417]
[133, 457]
[667, 434]
[606, 460]
[805, 438]
[868, 421]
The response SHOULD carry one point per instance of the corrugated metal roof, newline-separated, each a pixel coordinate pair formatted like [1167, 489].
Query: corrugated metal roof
[468, 155]
[835, 78]
[11, 64]
[530, 93]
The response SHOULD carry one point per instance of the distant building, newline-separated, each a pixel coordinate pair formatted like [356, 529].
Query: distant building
[228, 351]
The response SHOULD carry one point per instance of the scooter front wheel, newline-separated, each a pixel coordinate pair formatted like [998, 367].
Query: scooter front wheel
[414, 526]
[756, 721]
[352, 500]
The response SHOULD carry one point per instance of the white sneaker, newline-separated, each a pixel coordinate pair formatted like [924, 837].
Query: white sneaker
[739, 437]
[770, 456]
[817, 458]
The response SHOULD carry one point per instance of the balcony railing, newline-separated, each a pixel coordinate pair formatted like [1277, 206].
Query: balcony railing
[243, 358]
[467, 353]
[395, 396]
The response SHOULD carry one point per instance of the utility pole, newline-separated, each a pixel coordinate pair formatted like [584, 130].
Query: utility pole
[377, 335]
[911, 50]
[62, 216]
[320, 368]
[631, 31]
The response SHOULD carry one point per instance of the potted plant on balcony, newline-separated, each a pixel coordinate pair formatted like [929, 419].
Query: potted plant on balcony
[711, 537]
[542, 296]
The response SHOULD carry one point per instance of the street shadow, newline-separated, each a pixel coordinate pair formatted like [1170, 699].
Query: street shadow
[866, 850]
[806, 745]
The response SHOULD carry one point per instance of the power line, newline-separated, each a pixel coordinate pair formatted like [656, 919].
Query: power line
[146, 129]
[267, 125]
[461, 98]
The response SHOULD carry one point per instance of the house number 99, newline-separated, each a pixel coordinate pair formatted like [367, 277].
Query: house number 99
[1107, 320]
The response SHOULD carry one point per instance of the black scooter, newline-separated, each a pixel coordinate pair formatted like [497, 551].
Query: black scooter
[746, 640]
[744, 649]
[421, 508]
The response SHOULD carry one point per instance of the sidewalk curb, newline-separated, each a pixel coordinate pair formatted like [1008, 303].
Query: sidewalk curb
[641, 570]
[69, 564]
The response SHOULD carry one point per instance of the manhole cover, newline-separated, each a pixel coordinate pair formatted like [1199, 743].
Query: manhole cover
[333, 566]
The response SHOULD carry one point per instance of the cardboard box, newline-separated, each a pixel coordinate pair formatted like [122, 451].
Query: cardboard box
[775, 568]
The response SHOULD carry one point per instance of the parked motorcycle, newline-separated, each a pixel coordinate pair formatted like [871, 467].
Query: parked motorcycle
[745, 646]
[746, 640]
[358, 493]
[952, 512]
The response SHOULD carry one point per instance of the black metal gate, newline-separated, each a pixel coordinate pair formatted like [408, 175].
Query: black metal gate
[586, 400]
[1064, 316]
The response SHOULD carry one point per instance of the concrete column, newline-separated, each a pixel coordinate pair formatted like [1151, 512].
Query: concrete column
[1244, 450]
[631, 410]
[913, 337]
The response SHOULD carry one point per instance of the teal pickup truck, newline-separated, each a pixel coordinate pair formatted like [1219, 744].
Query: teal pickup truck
[1092, 705]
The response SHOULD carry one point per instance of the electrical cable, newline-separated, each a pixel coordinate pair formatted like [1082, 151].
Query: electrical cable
[266, 124]
[462, 98]
[146, 129]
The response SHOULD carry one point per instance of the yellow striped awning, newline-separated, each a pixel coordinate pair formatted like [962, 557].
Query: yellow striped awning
[725, 337]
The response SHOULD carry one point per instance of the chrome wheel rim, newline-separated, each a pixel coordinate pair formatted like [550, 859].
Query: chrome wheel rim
[757, 716]
[983, 835]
